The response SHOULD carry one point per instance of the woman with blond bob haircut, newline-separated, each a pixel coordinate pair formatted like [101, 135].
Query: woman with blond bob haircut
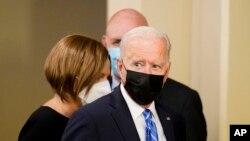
[74, 64]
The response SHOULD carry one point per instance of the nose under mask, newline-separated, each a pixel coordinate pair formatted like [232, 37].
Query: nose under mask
[143, 88]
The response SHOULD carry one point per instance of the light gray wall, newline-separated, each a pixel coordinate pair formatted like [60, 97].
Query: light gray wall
[28, 30]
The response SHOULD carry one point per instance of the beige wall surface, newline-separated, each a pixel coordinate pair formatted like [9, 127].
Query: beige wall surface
[29, 29]
[239, 63]
[173, 18]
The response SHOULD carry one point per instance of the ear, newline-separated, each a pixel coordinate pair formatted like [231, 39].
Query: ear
[104, 40]
[119, 66]
[121, 71]
[167, 72]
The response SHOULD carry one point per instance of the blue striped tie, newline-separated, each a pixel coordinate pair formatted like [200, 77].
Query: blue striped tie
[151, 131]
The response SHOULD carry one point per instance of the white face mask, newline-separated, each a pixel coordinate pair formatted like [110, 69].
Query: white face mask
[98, 90]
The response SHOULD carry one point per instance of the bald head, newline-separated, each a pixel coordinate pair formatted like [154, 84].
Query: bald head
[126, 19]
[120, 23]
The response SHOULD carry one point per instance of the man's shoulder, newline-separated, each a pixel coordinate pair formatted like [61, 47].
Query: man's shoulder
[176, 94]
[177, 87]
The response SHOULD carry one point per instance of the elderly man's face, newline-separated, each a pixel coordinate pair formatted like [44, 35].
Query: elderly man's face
[146, 56]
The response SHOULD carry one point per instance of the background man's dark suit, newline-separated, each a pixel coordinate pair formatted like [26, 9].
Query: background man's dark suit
[109, 119]
[186, 102]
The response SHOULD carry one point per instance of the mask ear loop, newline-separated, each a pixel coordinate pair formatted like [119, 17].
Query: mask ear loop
[123, 65]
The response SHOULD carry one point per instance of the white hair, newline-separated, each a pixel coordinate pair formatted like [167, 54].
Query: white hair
[142, 32]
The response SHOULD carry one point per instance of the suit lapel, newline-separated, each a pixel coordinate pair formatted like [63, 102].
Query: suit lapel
[123, 118]
[166, 123]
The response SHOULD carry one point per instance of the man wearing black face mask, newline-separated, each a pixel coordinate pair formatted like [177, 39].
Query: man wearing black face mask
[130, 112]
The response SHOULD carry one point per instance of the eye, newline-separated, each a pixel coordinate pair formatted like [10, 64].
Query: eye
[138, 64]
[156, 66]
[116, 43]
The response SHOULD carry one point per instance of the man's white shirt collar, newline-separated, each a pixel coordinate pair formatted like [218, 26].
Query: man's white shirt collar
[135, 109]
[137, 114]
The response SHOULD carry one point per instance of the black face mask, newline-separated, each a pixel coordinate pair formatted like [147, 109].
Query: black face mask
[143, 88]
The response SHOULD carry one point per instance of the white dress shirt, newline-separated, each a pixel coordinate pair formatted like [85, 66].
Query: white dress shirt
[137, 114]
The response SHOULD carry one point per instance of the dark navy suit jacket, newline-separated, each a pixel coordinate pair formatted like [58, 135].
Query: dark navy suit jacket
[109, 119]
[186, 102]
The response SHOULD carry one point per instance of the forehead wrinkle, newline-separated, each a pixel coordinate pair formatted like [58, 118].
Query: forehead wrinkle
[142, 53]
[146, 36]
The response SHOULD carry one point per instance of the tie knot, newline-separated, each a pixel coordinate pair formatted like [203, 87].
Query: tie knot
[147, 114]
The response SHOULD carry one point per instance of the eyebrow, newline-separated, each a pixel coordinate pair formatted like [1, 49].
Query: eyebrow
[141, 60]
[115, 40]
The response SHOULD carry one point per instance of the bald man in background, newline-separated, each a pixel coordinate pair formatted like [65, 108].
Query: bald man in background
[175, 95]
